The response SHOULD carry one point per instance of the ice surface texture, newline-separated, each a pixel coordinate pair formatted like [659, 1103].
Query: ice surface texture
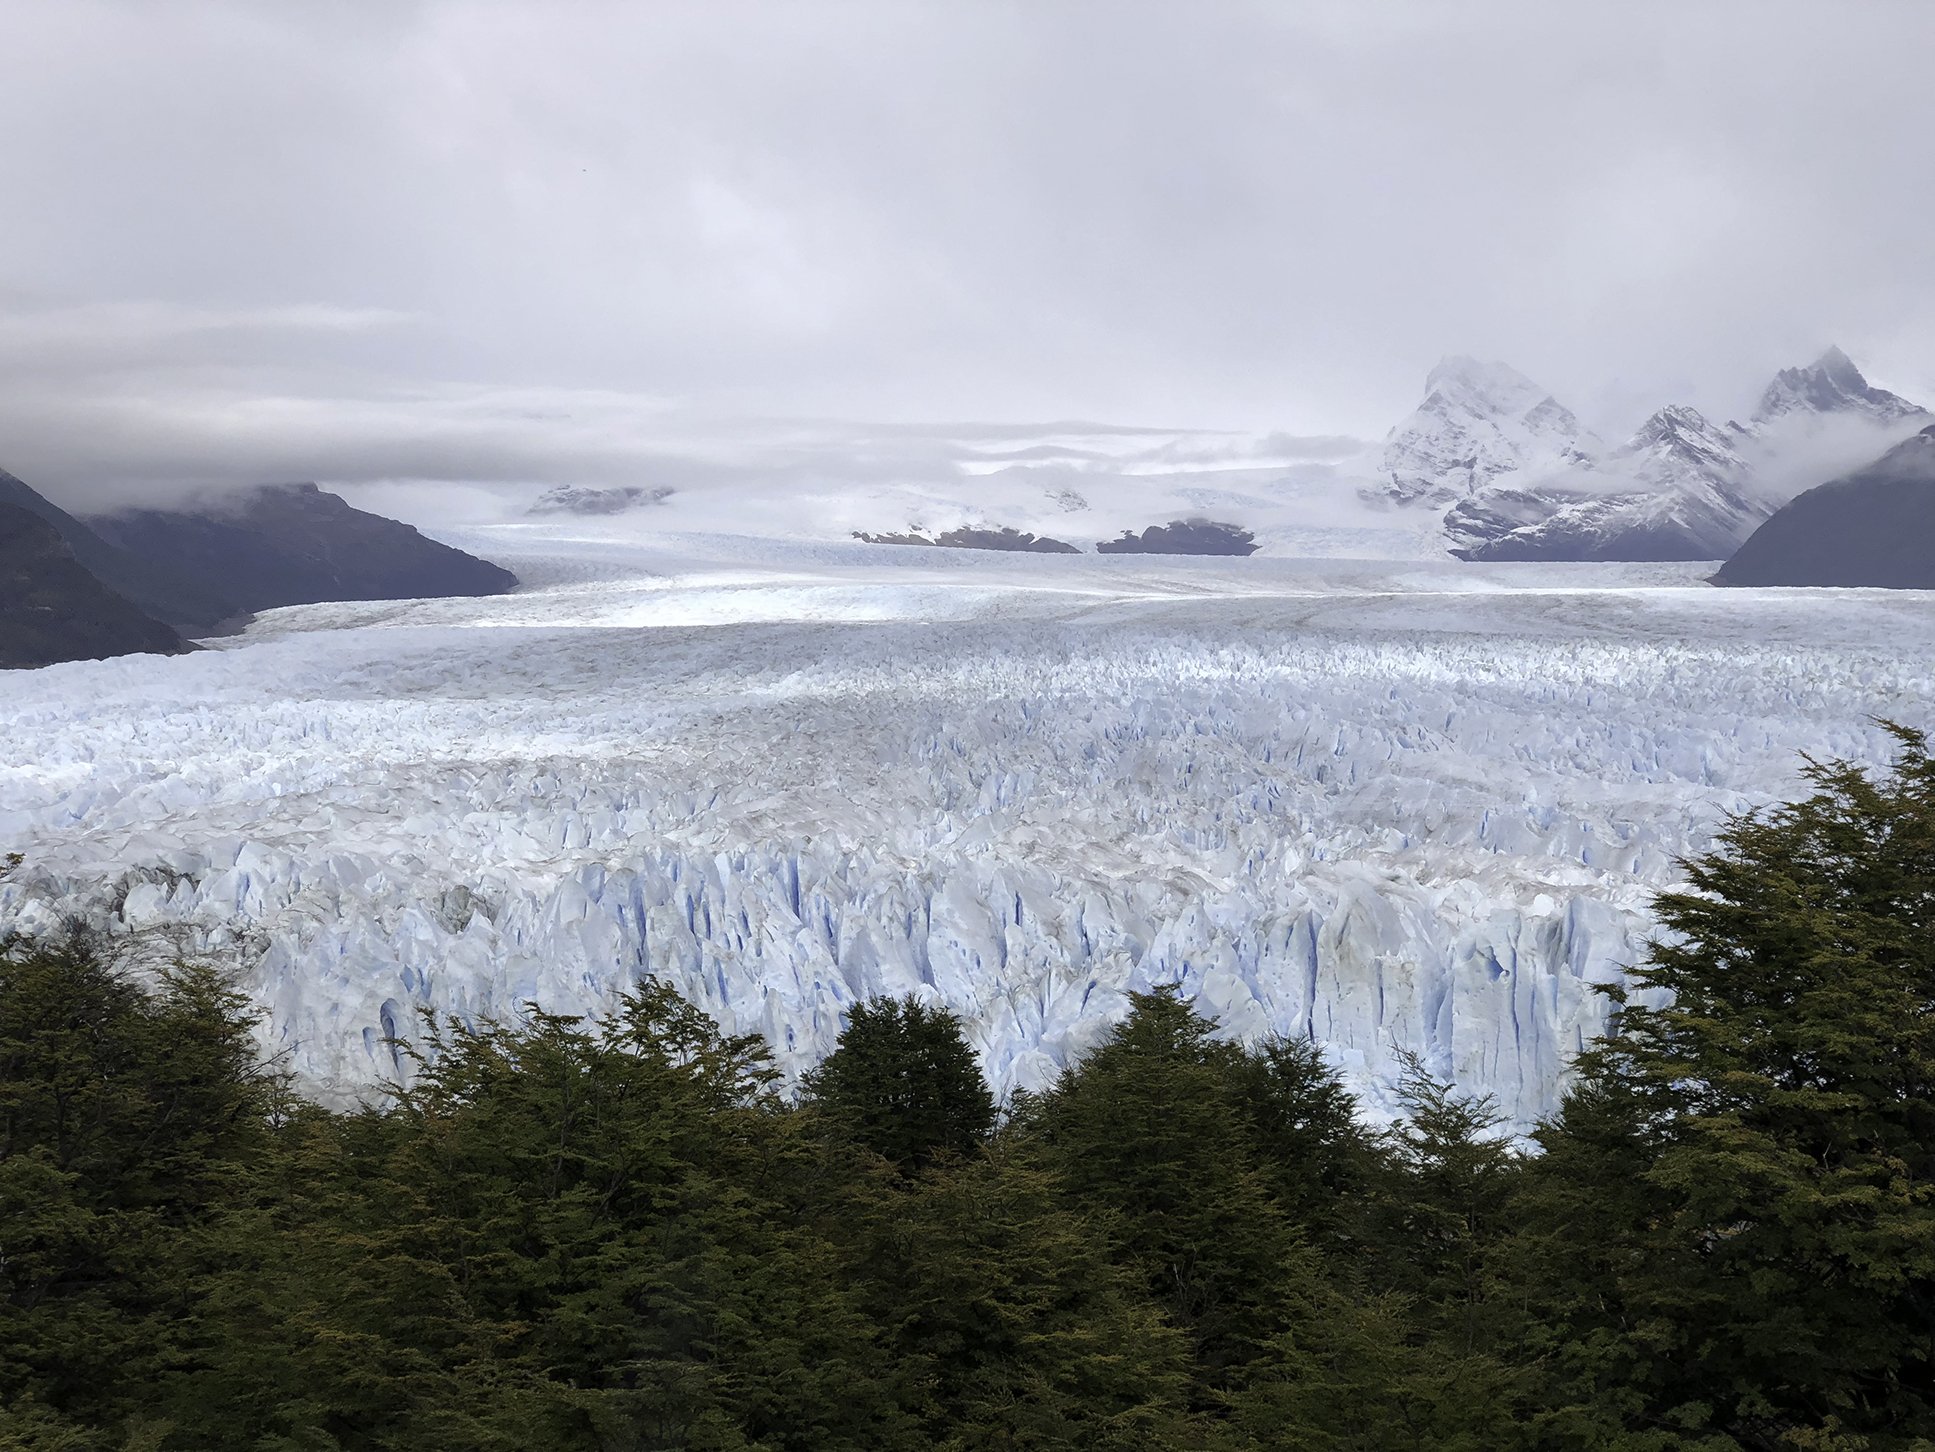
[1393, 806]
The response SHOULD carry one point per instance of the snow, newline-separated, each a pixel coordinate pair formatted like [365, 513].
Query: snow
[1480, 422]
[1395, 804]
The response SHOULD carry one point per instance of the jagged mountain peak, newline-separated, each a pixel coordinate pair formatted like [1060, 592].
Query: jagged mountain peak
[1832, 384]
[1479, 421]
[1683, 429]
[1487, 387]
[1673, 491]
[1835, 363]
[1675, 418]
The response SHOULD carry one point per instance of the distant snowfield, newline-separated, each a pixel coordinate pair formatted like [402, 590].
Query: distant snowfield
[1401, 804]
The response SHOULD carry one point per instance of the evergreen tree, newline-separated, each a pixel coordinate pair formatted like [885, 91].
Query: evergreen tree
[592, 1234]
[903, 1082]
[1358, 1371]
[1775, 1278]
[1314, 1153]
[131, 1119]
[1150, 1132]
[1441, 1206]
[1389, 1339]
[1000, 1305]
[1578, 1267]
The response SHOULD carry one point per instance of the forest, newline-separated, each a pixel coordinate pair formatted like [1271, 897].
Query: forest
[628, 1234]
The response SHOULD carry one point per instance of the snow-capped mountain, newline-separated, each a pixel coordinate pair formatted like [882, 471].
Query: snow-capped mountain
[1479, 422]
[1683, 487]
[1679, 489]
[1831, 384]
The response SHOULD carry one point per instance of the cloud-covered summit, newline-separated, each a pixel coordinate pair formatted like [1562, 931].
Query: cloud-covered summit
[441, 240]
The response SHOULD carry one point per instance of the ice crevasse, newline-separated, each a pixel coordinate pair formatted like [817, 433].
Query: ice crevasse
[1359, 824]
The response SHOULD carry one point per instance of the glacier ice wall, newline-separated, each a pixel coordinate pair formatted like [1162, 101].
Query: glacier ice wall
[1404, 816]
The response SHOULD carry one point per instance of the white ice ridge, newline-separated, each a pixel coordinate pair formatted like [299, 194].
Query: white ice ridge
[1393, 806]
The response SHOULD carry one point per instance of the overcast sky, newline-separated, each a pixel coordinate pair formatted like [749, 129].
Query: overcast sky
[539, 240]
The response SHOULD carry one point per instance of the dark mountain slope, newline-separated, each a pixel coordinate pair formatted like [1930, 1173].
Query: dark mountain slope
[1873, 527]
[295, 544]
[155, 586]
[53, 609]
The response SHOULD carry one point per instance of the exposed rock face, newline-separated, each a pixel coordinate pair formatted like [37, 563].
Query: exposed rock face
[1677, 490]
[1183, 537]
[53, 609]
[1005, 538]
[1874, 527]
[574, 499]
[295, 544]
[1479, 421]
[1682, 488]
[156, 586]
[1831, 384]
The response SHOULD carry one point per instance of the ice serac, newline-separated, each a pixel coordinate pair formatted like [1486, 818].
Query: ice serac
[1479, 422]
[1875, 527]
[1833, 385]
[1679, 489]
[1410, 806]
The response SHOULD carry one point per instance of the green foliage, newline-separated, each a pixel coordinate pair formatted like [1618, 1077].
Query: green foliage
[1151, 1128]
[130, 1117]
[1315, 1154]
[903, 1082]
[1441, 1207]
[617, 1234]
[1000, 1304]
[1759, 1138]
[1356, 1372]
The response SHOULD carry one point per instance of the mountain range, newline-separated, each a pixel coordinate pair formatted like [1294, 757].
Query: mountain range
[1490, 465]
[142, 580]
[52, 608]
[1524, 480]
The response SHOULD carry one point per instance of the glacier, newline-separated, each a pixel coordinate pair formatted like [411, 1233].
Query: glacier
[1396, 806]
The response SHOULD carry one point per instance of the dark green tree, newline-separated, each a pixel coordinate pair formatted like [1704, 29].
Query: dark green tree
[1150, 1134]
[904, 1083]
[133, 1118]
[1000, 1305]
[589, 1235]
[1358, 1370]
[1769, 1273]
[1315, 1154]
[1441, 1207]
[1390, 1337]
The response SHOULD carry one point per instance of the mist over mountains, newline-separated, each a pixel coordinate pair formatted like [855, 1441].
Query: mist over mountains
[1488, 467]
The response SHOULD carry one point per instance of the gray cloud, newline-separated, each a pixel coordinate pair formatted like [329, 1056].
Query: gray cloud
[603, 241]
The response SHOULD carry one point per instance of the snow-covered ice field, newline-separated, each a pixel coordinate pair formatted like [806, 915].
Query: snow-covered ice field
[1394, 805]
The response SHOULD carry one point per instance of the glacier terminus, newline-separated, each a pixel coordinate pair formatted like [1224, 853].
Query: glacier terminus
[1411, 805]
